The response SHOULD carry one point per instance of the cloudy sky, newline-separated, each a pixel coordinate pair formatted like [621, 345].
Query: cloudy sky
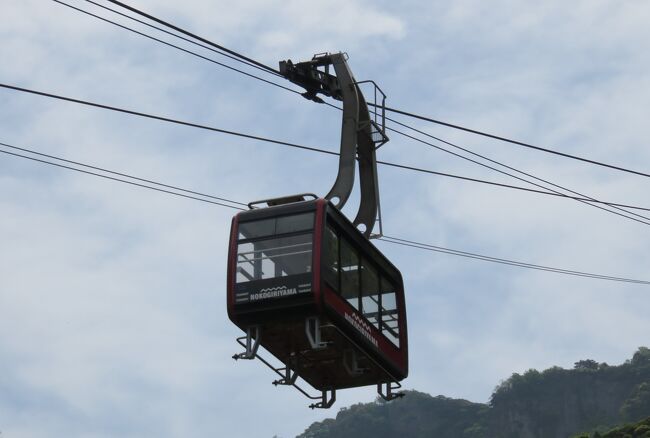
[112, 297]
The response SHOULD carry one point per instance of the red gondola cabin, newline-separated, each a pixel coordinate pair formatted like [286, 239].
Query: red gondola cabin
[320, 296]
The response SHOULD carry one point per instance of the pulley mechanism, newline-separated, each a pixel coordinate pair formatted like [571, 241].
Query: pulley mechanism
[361, 134]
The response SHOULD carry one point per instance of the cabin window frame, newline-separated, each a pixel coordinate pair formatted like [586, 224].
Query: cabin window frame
[333, 229]
[242, 240]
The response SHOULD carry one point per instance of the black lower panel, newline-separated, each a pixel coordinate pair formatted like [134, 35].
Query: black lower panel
[271, 289]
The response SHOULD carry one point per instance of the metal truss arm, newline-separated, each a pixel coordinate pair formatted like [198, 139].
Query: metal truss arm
[361, 135]
[342, 188]
[369, 204]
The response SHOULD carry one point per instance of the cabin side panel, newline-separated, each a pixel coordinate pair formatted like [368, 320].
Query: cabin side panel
[364, 293]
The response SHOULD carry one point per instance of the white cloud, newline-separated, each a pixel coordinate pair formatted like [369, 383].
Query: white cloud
[112, 297]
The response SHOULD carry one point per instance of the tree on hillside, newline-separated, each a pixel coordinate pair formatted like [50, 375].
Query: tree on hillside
[641, 357]
[587, 364]
[638, 405]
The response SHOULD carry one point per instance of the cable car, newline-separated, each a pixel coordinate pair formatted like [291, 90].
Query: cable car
[304, 281]
[306, 285]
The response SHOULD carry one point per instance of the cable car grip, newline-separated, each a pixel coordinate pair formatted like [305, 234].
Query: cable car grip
[361, 135]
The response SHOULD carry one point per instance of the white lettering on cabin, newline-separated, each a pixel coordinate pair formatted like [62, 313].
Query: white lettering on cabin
[362, 326]
[273, 292]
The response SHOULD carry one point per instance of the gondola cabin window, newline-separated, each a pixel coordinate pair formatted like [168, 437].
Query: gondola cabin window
[274, 247]
[370, 293]
[361, 284]
[350, 281]
[332, 262]
[389, 312]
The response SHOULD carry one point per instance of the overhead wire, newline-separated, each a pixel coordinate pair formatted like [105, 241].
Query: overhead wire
[237, 206]
[192, 35]
[191, 41]
[586, 199]
[163, 119]
[293, 145]
[260, 66]
[31, 151]
[582, 198]
[198, 55]
[443, 250]
[515, 142]
[169, 192]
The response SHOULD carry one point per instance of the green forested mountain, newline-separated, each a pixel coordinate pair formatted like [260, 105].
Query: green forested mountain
[635, 430]
[548, 404]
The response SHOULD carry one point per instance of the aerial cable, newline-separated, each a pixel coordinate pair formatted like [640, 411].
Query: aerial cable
[583, 198]
[192, 35]
[507, 186]
[389, 239]
[205, 58]
[580, 198]
[549, 191]
[164, 119]
[587, 201]
[120, 174]
[508, 140]
[294, 145]
[169, 192]
[443, 250]
[153, 26]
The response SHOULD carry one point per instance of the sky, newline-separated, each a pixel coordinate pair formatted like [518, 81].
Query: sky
[112, 297]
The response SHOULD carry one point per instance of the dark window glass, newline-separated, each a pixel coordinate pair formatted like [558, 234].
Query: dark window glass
[278, 257]
[261, 228]
[388, 314]
[370, 293]
[331, 258]
[349, 274]
[280, 225]
[291, 224]
[260, 255]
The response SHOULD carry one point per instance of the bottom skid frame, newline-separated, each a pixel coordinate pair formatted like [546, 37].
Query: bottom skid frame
[288, 374]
